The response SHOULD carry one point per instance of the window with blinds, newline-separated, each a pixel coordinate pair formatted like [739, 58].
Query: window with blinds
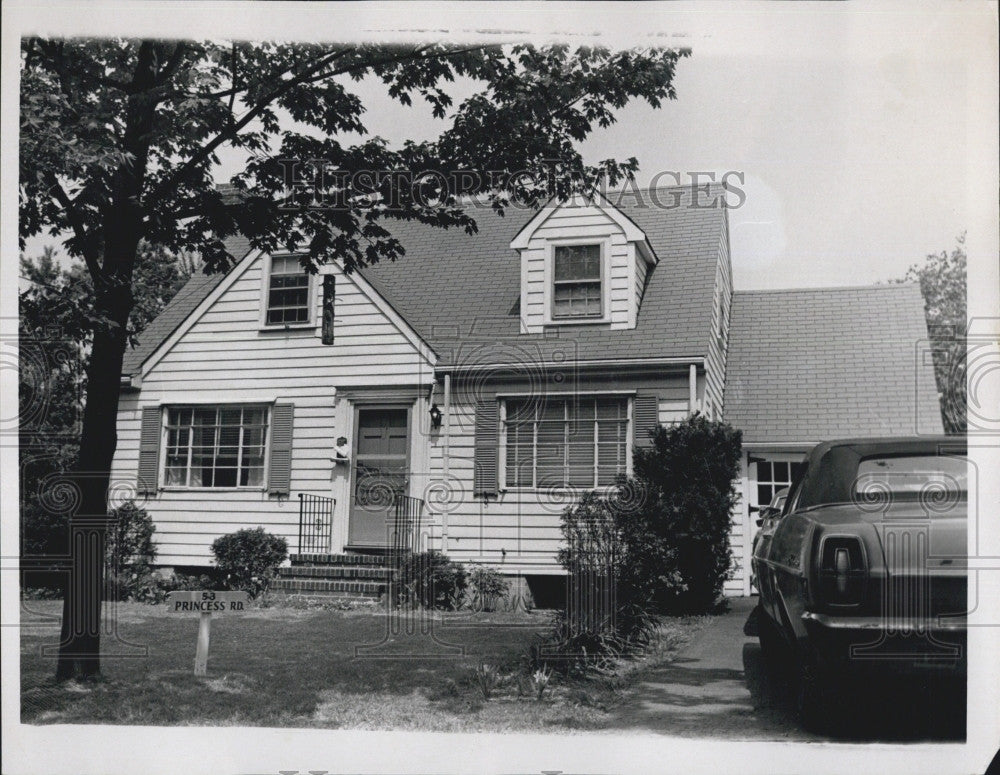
[215, 446]
[580, 441]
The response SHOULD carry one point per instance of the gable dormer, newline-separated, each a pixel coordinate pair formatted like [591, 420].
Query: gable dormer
[583, 262]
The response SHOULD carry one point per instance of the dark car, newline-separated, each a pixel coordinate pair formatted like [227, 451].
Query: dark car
[767, 521]
[865, 570]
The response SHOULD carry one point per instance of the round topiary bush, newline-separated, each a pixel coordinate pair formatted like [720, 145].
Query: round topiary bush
[249, 558]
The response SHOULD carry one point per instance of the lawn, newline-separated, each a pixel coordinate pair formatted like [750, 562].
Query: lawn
[309, 667]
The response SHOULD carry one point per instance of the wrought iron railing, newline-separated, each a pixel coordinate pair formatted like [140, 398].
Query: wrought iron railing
[315, 523]
[407, 513]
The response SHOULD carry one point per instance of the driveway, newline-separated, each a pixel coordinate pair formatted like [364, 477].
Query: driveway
[716, 687]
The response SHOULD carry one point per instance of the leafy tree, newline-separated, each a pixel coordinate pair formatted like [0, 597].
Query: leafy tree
[942, 279]
[119, 138]
[55, 330]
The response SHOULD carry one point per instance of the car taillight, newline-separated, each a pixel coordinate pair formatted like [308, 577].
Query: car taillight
[843, 572]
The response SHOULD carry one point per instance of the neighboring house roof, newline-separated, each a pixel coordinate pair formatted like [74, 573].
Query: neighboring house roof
[178, 309]
[809, 365]
[458, 290]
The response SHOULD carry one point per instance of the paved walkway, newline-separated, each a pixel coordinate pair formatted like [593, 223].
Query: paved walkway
[716, 687]
[705, 690]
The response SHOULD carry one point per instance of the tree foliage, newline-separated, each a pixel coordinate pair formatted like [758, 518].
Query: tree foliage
[942, 278]
[161, 110]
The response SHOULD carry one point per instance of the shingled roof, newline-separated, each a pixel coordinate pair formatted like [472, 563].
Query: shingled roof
[454, 288]
[809, 365]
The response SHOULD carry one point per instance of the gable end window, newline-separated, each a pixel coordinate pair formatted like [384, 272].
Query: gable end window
[288, 292]
[576, 282]
[576, 441]
[215, 446]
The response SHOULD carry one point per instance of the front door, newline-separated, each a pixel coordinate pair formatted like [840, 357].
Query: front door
[381, 462]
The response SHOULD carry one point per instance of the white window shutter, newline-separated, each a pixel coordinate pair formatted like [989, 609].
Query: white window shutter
[279, 474]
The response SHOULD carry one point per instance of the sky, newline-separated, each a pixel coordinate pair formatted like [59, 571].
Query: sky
[850, 132]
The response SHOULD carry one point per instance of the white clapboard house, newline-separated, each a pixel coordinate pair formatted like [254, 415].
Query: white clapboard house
[483, 382]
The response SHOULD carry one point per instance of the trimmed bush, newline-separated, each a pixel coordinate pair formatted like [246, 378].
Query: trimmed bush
[431, 580]
[130, 554]
[487, 588]
[249, 558]
[677, 537]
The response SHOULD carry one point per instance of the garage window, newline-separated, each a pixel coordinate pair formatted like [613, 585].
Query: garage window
[773, 475]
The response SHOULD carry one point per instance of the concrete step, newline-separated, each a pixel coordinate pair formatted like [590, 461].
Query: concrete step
[343, 572]
[339, 559]
[361, 589]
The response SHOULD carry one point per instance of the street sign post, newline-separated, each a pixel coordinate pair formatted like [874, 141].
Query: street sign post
[204, 603]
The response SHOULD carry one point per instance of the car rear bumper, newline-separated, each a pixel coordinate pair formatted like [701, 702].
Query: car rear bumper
[875, 643]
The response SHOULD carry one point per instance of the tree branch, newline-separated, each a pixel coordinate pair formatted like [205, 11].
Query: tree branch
[309, 75]
[80, 231]
[172, 64]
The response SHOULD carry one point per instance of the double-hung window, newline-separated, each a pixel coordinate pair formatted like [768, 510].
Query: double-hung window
[578, 441]
[288, 297]
[215, 446]
[576, 282]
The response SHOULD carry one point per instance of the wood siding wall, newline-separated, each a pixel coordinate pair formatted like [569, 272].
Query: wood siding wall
[226, 358]
[576, 223]
[518, 531]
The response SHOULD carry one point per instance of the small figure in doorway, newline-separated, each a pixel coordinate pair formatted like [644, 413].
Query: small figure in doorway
[341, 451]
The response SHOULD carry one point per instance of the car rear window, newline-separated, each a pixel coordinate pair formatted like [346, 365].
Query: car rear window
[911, 475]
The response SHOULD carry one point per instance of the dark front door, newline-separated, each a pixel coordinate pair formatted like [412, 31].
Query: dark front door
[381, 461]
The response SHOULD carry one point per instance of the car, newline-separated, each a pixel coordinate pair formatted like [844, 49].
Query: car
[865, 570]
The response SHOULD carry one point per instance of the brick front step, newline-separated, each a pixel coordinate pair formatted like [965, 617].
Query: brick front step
[324, 586]
[352, 572]
[338, 559]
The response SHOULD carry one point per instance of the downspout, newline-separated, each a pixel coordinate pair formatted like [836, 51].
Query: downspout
[693, 389]
[444, 457]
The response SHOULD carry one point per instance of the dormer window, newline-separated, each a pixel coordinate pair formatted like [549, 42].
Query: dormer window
[583, 263]
[288, 293]
[577, 282]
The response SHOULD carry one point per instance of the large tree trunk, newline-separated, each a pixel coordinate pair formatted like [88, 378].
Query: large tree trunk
[120, 233]
[80, 641]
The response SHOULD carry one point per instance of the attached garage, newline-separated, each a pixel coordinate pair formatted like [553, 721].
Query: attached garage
[806, 366]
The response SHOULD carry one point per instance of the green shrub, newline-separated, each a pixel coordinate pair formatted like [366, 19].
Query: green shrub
[677, 537]
[129, 554]
[659, 544]
[429, 579]
[487, 587]
[249, 558]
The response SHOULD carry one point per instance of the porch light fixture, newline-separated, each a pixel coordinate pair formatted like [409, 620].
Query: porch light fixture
[435, 416]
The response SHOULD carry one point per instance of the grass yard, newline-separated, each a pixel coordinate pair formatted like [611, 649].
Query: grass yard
[295, 666]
